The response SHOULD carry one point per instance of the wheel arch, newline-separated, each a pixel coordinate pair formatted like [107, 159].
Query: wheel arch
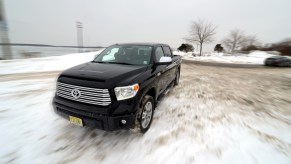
[151, 92]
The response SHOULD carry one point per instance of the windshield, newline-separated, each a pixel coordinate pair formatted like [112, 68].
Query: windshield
[125, 54]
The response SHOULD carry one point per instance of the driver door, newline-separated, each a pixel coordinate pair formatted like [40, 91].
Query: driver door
[162, 73]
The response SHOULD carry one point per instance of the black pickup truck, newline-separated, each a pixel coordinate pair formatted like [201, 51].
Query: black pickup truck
[120, 88]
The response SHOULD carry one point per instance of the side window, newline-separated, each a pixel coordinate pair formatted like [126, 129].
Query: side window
[167, 51]
[159, 53]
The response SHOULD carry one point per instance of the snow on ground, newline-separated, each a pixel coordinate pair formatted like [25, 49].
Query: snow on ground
[44, 64]
[215, 115]
[256, 57]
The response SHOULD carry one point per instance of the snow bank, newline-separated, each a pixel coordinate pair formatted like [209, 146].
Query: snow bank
[256, 57]
[53, 63]
[259, 54]
[181, 53]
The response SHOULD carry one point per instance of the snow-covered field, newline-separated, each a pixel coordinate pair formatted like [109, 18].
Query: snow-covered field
[256, 57]
[215, 115]
[44, 64]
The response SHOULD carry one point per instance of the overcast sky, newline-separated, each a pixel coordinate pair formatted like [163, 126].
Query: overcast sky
[107, 21]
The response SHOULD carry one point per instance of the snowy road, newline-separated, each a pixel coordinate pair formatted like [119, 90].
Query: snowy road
[215, 115]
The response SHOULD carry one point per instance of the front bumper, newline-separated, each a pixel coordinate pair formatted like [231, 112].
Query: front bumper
[101, 120]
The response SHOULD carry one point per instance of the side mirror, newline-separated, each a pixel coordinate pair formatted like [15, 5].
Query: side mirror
[164, 60]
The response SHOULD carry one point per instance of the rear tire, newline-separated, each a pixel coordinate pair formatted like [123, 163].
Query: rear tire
[145, 114]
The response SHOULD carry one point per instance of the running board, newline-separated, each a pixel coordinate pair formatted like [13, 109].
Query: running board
[170, 87]
[167, 91]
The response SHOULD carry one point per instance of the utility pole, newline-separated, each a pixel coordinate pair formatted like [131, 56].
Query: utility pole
[79, 26]
[6, 51]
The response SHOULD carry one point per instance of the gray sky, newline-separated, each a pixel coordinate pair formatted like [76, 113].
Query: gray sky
[107, 21]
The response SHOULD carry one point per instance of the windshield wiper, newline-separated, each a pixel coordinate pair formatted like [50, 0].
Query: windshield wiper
[112, 62]
[97, 62]
[119, 63]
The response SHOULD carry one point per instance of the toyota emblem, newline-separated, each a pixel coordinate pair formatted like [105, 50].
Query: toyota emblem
[76, 93]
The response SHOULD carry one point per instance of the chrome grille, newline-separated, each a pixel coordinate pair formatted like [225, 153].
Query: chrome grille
[86, 95]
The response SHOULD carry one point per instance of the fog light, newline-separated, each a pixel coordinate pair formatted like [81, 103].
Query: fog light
[123, 121]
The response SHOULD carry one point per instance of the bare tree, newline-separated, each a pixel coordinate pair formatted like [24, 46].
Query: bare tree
[235, 40]
[251, 40]
[201, 32]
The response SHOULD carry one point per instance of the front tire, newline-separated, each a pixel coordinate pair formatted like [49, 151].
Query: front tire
[145, 116]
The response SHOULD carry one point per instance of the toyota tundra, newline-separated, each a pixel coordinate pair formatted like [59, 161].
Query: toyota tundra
[120, 88]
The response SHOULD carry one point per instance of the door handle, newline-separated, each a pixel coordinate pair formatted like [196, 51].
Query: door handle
[159, 73]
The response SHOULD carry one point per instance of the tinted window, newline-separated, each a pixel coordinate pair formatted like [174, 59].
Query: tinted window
[167, 51]
[127, 54]
[159, 53]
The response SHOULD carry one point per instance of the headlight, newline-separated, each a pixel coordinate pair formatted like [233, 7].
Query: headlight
[127, 92]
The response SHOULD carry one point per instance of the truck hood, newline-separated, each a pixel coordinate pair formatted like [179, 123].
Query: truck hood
[104, 72]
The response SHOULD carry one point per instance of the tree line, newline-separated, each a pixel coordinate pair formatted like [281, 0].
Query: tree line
[202, 32]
